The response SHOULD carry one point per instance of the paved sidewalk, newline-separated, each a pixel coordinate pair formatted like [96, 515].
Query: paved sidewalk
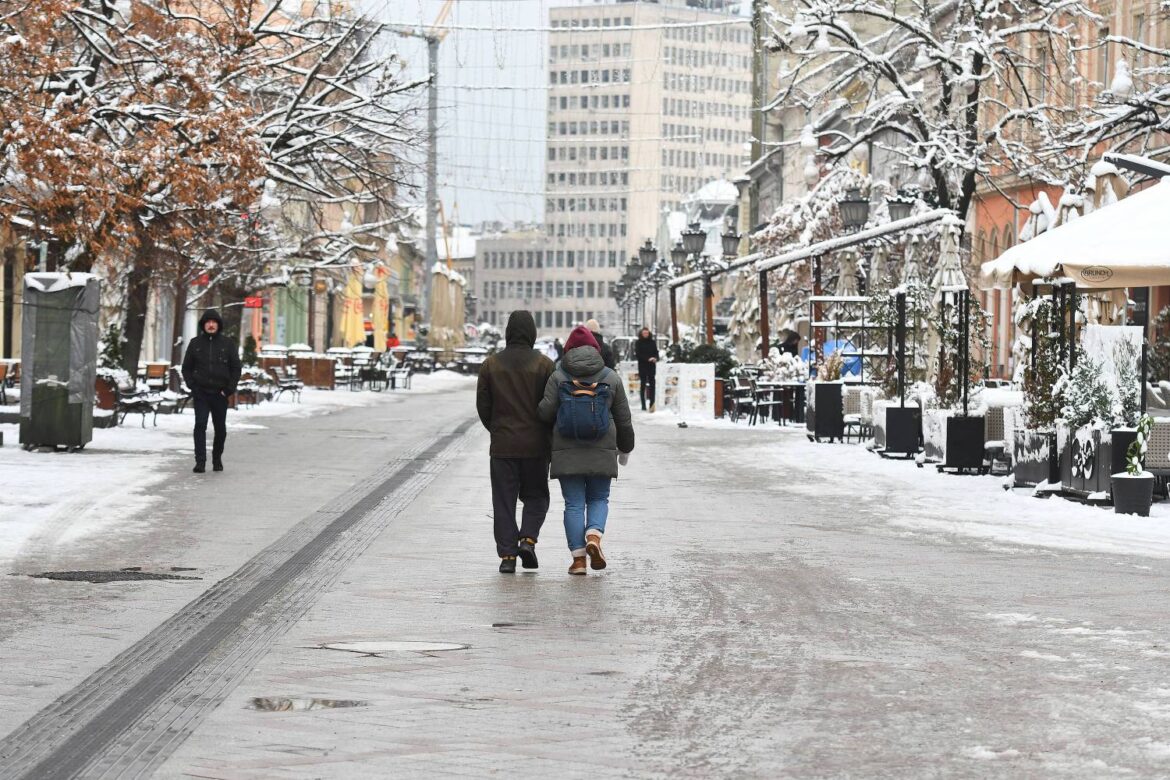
[742, 629]
[773, 608]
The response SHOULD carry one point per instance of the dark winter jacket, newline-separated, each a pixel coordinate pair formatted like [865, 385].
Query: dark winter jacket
[606, 351]
[644, 349]
[212, 362]
[573, 457]
[511, 383]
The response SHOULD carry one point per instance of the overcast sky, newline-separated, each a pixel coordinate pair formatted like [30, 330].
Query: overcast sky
[491, 139]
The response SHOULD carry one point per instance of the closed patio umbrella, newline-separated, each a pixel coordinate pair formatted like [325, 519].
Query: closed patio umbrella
[381, 307]
[353, 330]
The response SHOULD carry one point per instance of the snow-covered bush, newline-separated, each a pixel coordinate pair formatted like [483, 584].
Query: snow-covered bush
[784, 367]
[1160, 348]
[1087, 399]
[1136, 454]
[1042, 369]
[1127, 404]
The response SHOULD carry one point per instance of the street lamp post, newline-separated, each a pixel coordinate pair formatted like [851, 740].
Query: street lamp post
[854, 211]
[694, 238]
[648, 255]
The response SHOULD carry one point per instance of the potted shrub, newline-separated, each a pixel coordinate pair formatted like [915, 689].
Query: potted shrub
[827, 405]
[1034, 446]
[110, 373]
[1082, 431]
[1127, 409]
[961, 323]
[1133, 489]
[898, 424]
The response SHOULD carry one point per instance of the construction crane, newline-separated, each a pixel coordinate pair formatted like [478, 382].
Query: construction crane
[433, 37]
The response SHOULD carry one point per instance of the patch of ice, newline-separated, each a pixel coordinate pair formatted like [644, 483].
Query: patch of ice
[1042, 656]
[984, 753]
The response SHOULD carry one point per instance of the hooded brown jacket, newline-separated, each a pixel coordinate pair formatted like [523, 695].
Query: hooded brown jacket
[511, 385]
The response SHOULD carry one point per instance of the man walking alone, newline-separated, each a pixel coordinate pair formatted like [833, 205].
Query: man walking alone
[511, 384]
[211, 369]
[646, 350]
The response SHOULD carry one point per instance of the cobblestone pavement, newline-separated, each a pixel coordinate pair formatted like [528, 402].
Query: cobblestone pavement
[752, 623]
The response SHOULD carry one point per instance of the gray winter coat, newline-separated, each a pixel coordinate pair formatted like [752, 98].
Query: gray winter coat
[572, 457]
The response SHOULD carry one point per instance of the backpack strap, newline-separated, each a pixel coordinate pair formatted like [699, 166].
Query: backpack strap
[584, 388]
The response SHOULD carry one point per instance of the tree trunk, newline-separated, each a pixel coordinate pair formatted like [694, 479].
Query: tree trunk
[232, 315]
[137, 296]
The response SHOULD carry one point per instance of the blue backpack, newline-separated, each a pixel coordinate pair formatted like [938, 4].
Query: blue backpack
[583, 412]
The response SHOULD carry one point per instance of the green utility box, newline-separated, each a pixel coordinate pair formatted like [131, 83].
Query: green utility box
[58, 359]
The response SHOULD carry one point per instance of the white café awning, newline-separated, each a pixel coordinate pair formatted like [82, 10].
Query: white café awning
[1123, 245]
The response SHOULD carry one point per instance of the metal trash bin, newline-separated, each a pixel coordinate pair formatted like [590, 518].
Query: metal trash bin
[58, 359]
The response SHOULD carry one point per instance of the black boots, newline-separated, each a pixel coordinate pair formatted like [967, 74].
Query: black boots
[527, 553]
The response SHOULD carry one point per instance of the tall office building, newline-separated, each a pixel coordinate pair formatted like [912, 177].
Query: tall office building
[647, 102]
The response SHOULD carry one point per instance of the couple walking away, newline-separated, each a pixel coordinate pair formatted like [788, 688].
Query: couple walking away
[574, 413]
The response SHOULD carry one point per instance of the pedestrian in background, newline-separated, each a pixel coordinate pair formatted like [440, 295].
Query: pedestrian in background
[511, 384]
[584, 448]
[559, 347]
[646, 352]
[606, 350]
[211, 369]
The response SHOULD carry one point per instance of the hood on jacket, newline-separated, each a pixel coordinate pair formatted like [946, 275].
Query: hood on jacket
[210, 314]
[582, 361]
[521, 330]
[582, 337]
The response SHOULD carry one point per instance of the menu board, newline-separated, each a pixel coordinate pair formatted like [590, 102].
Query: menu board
[628, 371]
[687, 389]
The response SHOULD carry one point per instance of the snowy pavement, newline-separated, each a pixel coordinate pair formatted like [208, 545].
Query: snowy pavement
[53, 498]
[773, 608]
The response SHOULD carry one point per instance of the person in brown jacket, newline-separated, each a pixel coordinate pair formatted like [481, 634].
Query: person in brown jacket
[511, 384]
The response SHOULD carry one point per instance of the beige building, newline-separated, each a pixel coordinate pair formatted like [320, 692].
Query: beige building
[637, 119]
[517, 270]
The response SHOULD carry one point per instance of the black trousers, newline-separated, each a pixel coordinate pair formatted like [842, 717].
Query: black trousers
[648, 384]
[214, 405]
[518, 478]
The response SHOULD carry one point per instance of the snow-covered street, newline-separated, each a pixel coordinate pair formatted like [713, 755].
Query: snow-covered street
[773, 608]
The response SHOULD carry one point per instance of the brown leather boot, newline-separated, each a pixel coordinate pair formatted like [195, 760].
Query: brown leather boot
[593, 550]
[578, 566]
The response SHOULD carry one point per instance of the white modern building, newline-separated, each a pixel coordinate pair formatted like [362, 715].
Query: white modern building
[647, 101]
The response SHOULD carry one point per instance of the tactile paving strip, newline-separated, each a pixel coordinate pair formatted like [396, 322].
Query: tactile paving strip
[126, 718]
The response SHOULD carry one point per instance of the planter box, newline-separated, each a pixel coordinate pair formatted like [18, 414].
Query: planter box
[1132, 495]
[934, 435]
[903, 430]
[317, 372]
[952, 441]
[107, 393]
[1086, 460]
[966, 437]
[1120, 439]
[1031, 453]
[829, 422]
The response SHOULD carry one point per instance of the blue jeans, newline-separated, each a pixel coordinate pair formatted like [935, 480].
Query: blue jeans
[581, 494]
